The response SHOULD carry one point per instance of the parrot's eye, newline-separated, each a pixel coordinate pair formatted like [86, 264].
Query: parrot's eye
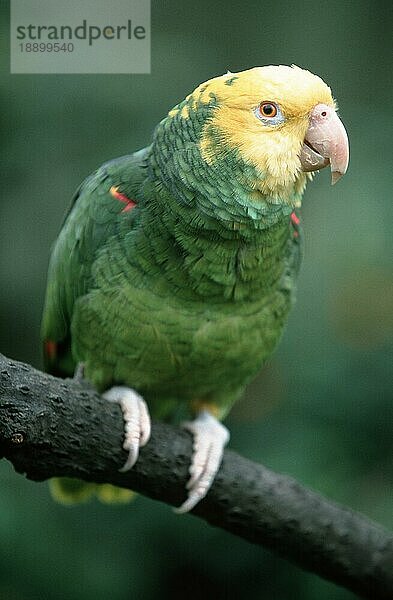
[267, 109]
[269, 113]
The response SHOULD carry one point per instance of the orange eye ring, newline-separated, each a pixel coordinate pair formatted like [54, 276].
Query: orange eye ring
[267, 110]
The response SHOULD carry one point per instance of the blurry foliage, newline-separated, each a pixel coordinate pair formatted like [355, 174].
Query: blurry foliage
[362, 311]
[322, 409]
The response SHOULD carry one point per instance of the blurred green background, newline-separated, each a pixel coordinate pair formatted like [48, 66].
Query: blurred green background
[322, 409]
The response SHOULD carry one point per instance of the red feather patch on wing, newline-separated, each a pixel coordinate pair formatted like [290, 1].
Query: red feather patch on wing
[50, 349]
[295, 224]
[129, 204]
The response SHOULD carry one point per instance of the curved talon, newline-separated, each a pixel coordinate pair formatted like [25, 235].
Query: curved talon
[137, 421]
[210, 439]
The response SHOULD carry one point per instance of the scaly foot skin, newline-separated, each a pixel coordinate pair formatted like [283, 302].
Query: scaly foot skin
[210, 439]
[137, 421]
[79, 373]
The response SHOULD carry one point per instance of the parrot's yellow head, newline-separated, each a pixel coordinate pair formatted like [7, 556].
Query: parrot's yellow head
[280, 121]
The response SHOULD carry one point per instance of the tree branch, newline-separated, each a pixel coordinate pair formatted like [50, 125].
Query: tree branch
[52, 427]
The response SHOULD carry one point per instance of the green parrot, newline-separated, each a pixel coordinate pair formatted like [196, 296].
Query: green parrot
[175, 269]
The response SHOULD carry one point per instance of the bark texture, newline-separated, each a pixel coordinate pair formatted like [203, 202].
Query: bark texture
[53, 427]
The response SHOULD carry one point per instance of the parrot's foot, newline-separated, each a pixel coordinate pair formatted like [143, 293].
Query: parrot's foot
[137, 421]
[210, 439]
[79, 373]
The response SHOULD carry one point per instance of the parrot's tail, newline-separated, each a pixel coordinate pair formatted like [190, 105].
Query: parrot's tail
[69, 491]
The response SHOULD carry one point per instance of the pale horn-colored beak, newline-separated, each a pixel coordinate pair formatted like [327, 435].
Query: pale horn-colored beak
[325, 142]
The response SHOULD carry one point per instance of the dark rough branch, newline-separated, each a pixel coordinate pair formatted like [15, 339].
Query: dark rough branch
[51, 427]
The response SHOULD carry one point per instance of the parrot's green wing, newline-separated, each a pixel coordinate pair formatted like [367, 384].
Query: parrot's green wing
[101, 205]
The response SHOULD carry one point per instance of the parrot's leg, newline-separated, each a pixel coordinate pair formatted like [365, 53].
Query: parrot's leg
[210, 439]
[79, 373]
[137, 421]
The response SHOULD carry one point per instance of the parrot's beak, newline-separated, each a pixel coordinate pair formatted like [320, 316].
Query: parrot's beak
[325, 142]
